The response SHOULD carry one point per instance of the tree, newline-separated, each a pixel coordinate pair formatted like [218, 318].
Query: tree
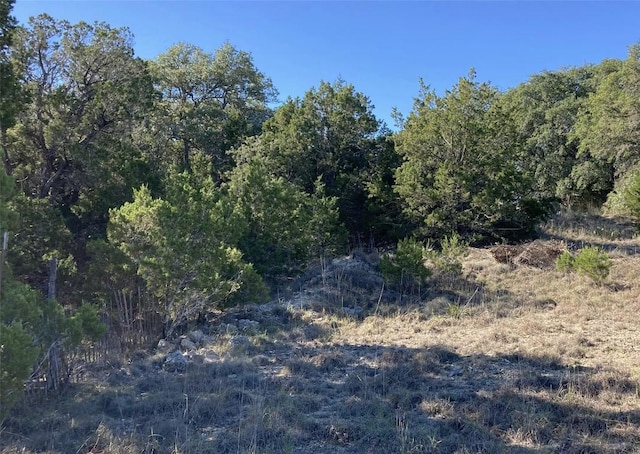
[29, 325]
[459, 170]
[609, 124]
[545, 110]
[183, 246]
[331, 134]
[209, 102]
[71, 145]
[9, 87]
[285, 226]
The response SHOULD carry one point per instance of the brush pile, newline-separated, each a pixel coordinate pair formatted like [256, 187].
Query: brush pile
[538, 254]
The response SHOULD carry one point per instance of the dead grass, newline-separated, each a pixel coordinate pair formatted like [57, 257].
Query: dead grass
[509, 357]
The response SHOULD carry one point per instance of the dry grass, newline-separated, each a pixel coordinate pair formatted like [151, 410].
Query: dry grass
[506, 358]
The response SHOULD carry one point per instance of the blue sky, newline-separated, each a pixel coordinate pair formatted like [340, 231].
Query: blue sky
[384, 47]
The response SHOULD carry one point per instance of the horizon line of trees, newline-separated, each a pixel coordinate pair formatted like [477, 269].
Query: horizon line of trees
[172, 184]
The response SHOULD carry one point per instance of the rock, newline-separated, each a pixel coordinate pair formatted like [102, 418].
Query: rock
[195, 357]
[239, 341]
[211, 357]
[175, 362]
[165, 346]
[188, 344]
[196, 336]
[245, 324]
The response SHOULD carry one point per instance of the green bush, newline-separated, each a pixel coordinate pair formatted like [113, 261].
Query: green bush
[594, 263]
[631, 195]
[565, 262]
[407, 267]
[449, 259]
[17, 357]
[590, 261]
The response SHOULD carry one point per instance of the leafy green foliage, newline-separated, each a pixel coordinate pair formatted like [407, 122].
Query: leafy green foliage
[631, 194]
[17, 356]
[184, 247]
[545, 110]
[72, 138]
[449, 259]
[593, 263]
[332, 135]
[565, 262]
[590, 261]
[609, 124]
[28, 324]
[209, 103]
[406, 268]
[285, 226]
[460, 171]
[11, 98]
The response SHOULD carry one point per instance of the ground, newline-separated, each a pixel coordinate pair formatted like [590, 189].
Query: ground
[510, 356]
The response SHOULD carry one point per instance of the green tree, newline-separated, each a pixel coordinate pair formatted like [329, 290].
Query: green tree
[631, 194]
[609, 124]
[71, 144]
[407, 267]
[209, 103]
[331, 134]
[285, 226]
[459, 170]
[545, 110]
[183, 246]
[9, 88]
[30, 326]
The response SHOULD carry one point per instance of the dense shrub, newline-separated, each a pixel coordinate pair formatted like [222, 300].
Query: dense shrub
[407, 267]
[590, 261]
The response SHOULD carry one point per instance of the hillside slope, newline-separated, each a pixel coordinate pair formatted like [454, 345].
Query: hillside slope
[505, 358]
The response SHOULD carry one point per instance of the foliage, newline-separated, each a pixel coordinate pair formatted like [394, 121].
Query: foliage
[593, 263]
[449, 259]
[209, 103]
[590, 261]
[460, 172]
[17, 357]
[332, 135]
[40, 235]
[406, 268]
[565, 262]
[609, 124]
[545, 110]
[11, 98]
[631, 194]
[285, 226]
[28, 324]
[71, 142]
[184, 247]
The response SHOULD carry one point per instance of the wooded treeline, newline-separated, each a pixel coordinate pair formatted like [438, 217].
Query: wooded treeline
[168, 187]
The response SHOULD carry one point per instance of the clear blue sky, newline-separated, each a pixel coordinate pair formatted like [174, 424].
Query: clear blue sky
[382, 48]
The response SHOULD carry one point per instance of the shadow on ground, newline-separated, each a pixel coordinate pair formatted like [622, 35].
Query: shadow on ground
[337, 399]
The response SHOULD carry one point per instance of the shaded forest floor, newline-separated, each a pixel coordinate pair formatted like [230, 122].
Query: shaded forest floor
[505, 358]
